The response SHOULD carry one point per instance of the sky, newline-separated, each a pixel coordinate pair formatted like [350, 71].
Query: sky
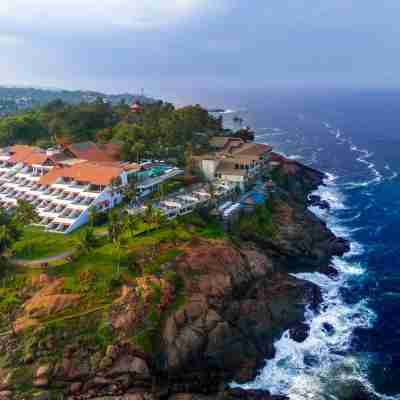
[179, 49]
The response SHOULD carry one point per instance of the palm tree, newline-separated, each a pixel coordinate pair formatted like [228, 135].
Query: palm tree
[174, 224]
[162, 189]
[132, 223]
[87, 240]
[130, 191]
[10, 232]
[149, 213]
[25, 214]
[159, 218]
[115, 230]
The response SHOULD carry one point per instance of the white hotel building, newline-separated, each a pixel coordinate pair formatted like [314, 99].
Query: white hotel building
[63, 185]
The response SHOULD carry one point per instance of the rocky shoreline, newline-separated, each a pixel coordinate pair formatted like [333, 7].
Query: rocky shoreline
[241, 297]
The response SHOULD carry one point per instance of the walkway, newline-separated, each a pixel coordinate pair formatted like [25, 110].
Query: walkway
[44, 260]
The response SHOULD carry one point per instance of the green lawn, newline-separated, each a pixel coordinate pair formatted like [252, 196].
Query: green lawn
[36, 243]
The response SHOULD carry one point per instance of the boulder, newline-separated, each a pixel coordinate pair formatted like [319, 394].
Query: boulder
[76, 387]
[6, 395]
[129, 364]
[299, 332]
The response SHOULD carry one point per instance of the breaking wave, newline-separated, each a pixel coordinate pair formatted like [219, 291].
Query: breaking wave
[323, 367]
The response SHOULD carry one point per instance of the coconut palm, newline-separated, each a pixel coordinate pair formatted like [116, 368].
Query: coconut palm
[25, 214]
[87, 240]
[116, 228]
[132, 222]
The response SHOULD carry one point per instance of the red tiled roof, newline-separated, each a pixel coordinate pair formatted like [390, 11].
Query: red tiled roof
[90, 151]
[251, 149]
[36, 157]
[112, 149]
[19, 152]
[51, 176]
[96, 173]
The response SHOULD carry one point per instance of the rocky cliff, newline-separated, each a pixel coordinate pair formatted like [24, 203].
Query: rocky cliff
[237, 297]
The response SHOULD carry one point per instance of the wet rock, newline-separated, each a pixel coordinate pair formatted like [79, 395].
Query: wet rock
[353, 390]
[299, 332]
[316, 201]
[330, 270]
[243, 394]
[328, 328]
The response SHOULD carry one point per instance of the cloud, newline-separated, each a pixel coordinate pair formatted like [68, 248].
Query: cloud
[189, 45]
[97, 15]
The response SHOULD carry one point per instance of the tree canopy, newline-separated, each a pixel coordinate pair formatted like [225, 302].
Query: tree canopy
[158, 130]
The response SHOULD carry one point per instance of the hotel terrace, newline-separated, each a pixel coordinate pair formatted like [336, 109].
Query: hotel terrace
[233, 160]
[63, 184]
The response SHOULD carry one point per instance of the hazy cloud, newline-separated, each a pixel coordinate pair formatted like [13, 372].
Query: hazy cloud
[182, 46]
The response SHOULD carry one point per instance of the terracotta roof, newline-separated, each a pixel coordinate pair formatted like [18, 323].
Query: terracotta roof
[96, 173]
[251, 149]
[19, 152]
[90, 151]
[51, 176]
[112, 149]
[36, 157]
[58, 157]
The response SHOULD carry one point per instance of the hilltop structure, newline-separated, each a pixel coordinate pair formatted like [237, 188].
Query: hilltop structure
[233, 160]
[64, 183]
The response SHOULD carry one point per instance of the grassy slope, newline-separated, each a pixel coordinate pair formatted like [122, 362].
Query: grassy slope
[96, 277]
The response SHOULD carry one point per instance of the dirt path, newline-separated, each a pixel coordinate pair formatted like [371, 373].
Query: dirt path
[44, 260]
[66, 318]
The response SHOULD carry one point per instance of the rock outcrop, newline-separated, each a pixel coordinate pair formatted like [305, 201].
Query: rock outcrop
[237, 300]
[237, 304]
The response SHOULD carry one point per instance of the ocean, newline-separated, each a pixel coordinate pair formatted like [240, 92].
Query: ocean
[354, 341]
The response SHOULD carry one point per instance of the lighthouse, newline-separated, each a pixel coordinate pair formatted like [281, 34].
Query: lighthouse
[136, 108]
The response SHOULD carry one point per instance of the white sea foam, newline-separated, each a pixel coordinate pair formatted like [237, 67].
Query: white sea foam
[296, 157]
[319, 367]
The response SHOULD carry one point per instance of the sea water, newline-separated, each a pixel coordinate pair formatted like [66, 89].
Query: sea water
[354, 339]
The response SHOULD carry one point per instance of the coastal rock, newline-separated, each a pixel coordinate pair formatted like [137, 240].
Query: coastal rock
[302, 242]
[316, 201]
[299, 332]
[129, 364]
[234, 310]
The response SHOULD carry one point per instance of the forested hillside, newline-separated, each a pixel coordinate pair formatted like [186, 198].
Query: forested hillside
[158, 129]
[13, 99]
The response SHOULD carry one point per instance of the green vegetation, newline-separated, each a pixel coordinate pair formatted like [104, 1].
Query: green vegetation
[159, 130]
[260, 224]
[36, 243]
[280, 178]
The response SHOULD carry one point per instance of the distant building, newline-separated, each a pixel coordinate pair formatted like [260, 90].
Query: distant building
[136, 107]
[234, 161]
